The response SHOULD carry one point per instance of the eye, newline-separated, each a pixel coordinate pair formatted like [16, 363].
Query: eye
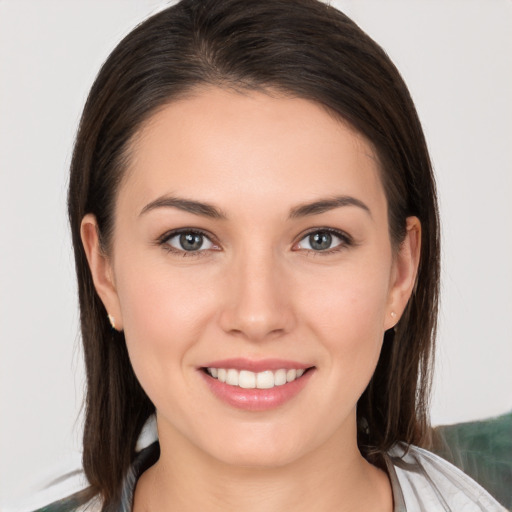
[323, 240]
[187, 241]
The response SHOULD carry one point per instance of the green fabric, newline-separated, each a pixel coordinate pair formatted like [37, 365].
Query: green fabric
[483, 450]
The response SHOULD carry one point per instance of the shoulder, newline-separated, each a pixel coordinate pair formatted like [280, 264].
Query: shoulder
[74, 503]
[427, 482]
[71, 491]
[67, 493]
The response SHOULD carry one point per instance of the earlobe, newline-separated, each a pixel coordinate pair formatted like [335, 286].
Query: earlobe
[404, 272]
[101, 269]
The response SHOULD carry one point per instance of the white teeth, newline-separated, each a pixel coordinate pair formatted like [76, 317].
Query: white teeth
[265, 380]
[250, 380]
[291, 375]
[280, 377]
[246, 379]
[232, 377]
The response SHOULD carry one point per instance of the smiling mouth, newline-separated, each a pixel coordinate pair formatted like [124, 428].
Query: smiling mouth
[246, 379]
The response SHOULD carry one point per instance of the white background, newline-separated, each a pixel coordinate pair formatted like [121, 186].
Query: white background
[456, 57]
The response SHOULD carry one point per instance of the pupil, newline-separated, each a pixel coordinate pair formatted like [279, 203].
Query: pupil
[191, 241]
[320, 241]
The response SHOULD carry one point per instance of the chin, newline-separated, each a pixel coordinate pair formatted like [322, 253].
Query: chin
[258, 457]
[259, 449]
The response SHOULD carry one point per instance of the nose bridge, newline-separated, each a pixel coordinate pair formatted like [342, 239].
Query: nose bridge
[257, 305]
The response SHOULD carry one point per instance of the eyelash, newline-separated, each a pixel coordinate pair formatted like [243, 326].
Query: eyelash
[346, 242]
[164, 239]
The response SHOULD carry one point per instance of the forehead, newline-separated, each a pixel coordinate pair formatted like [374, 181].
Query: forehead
[219, 144]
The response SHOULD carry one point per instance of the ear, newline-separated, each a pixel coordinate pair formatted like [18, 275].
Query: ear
[101, 270]
[404, 272]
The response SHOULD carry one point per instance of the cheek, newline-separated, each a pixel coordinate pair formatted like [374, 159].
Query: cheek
[164, 315]
[156, 297]
[350, 301]
[347, 315]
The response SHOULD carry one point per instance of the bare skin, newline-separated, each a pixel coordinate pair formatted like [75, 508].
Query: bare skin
[319, 482]
[256, 287]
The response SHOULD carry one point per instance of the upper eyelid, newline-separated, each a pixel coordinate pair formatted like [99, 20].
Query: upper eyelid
[337, 232]
[174, 232]
[163, 240]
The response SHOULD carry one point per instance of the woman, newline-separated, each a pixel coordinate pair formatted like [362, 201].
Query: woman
[256, 239]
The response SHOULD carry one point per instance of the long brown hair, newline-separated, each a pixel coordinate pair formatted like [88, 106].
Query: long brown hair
[301, 48]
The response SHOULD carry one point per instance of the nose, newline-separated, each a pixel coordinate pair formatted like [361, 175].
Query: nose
[258, 304]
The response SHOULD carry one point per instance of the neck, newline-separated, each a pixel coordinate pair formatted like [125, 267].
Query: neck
[333, 477]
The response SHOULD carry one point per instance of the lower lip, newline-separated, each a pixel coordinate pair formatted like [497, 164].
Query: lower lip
[256, 399]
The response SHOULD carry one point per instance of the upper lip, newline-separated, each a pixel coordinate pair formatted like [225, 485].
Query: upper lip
[257, 365]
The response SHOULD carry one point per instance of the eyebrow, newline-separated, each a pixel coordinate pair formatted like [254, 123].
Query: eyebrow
[186, 205]
[208, 210]
[325, 205]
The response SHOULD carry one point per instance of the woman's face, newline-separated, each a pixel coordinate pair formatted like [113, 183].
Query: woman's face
[251, 240]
